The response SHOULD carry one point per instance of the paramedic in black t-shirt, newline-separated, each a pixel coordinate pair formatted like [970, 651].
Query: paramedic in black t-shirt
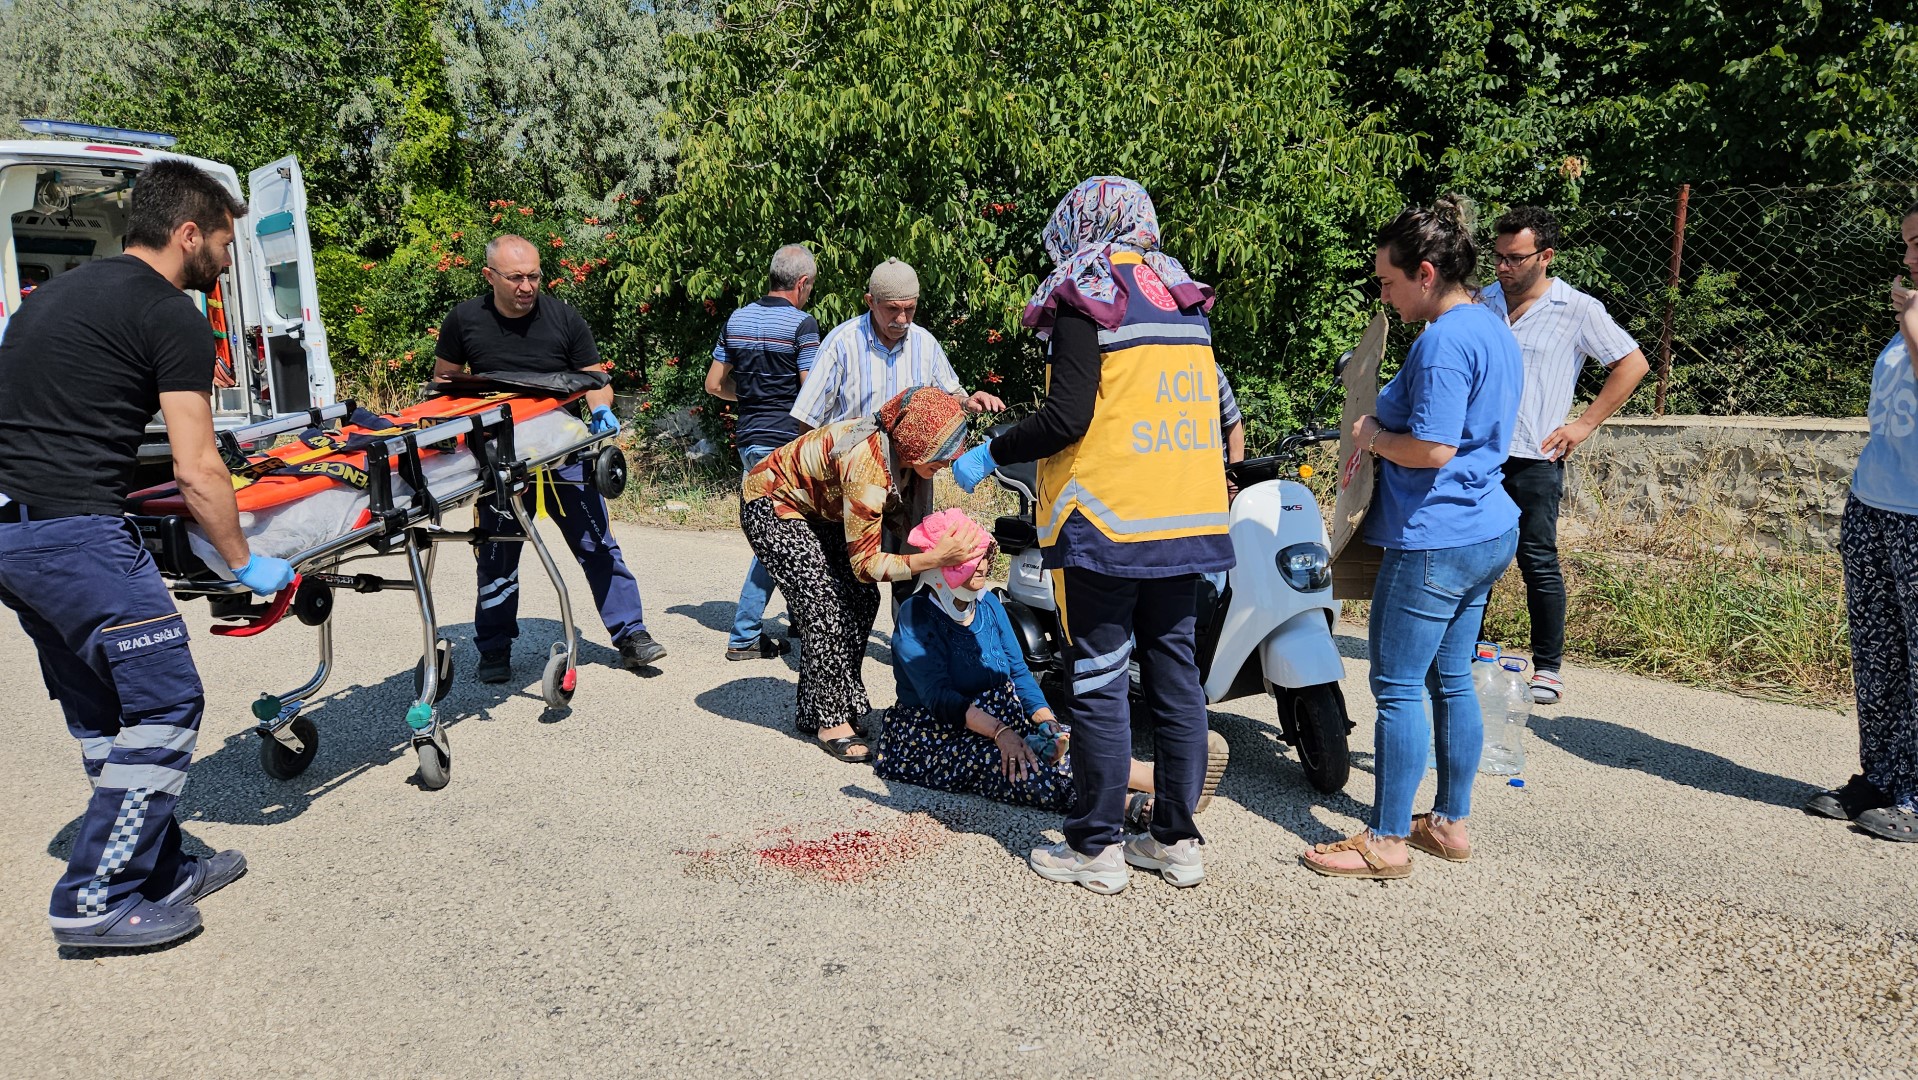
[89, 358]
[514, 328]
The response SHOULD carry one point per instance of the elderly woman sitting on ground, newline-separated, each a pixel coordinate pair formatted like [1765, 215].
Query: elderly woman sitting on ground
[970, 717]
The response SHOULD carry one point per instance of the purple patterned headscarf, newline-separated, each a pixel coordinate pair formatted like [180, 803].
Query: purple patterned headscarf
[1104, 214]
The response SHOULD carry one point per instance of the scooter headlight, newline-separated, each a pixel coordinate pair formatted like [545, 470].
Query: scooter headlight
[1306, 567]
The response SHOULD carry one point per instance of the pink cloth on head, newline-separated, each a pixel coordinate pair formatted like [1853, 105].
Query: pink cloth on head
[926, 535]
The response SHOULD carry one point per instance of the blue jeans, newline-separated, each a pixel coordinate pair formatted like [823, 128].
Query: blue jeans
[759, 581]
[1426, 608]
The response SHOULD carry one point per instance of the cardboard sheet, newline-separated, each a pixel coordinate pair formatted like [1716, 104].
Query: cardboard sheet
[1355, 563]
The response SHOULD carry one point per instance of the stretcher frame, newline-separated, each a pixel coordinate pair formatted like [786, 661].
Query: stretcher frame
[406, 524]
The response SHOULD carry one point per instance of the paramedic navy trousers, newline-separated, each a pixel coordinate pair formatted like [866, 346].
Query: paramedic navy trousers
[1104, 616]
[113, 652]
[580, 513]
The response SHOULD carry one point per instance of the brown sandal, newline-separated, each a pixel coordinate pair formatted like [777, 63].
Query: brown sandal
[1375, 868]
[1426, 840]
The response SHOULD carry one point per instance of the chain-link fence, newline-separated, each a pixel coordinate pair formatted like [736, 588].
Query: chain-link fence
[1746, 300]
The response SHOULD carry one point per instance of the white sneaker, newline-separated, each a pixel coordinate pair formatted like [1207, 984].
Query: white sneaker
[1105, 873]
[1178, 864]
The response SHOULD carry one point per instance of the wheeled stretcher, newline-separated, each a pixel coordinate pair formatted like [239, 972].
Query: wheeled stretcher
[356, 486]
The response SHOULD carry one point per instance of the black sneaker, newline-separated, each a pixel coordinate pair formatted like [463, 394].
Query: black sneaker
[638, 650]
[765, 648]
[494, 667]
[1846, 803]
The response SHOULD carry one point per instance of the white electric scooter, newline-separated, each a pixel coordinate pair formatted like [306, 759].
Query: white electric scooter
[1269, 632]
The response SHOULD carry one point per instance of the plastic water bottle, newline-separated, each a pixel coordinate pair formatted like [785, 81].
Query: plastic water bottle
[1509, 710]
[1484, 662]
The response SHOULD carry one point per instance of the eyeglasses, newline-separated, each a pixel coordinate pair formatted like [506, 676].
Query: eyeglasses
[516, 279]
[1517, 260]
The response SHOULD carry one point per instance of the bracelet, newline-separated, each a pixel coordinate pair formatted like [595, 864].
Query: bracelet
[1372, 447]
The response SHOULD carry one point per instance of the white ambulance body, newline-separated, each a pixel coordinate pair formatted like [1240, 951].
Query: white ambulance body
[63, 204]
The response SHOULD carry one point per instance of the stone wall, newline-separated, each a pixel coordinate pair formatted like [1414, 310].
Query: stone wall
[1779, 482]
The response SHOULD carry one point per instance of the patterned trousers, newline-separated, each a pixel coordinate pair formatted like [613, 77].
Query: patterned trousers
[1880, 551]
[919, 748]
[832, 608]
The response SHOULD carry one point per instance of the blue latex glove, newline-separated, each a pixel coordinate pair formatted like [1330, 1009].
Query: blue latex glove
[973, 466]
[265, 575]
[604, 422]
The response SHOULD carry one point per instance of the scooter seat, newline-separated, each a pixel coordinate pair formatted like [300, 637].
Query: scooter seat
[1022, 479]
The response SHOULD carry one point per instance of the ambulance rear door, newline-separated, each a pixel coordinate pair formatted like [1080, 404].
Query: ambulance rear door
[285, 322]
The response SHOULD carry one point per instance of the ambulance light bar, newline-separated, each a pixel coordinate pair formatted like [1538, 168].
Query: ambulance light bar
[71, 130]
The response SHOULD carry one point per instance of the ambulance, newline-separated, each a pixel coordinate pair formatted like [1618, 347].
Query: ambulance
[63, 204]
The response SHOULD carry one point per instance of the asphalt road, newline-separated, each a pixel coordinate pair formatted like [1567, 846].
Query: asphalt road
[665, 882]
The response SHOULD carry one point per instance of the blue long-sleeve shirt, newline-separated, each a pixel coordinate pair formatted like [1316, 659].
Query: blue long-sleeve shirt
[942, 666]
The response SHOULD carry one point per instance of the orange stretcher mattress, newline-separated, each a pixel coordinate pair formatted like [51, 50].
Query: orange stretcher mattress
[320, 460]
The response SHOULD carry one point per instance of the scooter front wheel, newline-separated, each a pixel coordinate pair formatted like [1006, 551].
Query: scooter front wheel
[1315, 718]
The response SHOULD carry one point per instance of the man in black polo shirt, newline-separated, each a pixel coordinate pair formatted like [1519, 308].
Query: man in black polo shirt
[760, 361]
[514, 328]
[89, 358]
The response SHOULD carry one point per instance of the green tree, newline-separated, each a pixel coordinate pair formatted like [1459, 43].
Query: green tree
[943, 132]
[562, 99]
[1551, 100]
[54, 52]
[357, 91]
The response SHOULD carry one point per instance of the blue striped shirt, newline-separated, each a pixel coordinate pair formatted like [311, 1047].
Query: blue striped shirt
[856, 373]
[1556, 334]
[767, 344]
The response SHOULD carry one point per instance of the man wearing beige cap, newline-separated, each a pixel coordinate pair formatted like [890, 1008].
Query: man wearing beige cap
[868, 359]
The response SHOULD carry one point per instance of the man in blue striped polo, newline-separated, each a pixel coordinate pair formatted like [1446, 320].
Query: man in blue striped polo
[1557, 328]
[761, 361]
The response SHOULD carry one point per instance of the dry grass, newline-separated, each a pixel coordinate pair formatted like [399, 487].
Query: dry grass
[1694, 598]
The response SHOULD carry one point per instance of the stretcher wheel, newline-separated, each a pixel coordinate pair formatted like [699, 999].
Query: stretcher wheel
[445, 654]
[609, 472]
[280, 761]
[436, 765]
[556, 684]
[313, 603]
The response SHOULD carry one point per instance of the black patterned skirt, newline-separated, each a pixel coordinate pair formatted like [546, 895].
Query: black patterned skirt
[918, 748]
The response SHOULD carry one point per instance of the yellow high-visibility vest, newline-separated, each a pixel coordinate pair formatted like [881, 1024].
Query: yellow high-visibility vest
[1151, 464]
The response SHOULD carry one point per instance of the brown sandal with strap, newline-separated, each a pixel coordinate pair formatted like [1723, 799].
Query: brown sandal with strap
[1375, 868]
[1426, 840]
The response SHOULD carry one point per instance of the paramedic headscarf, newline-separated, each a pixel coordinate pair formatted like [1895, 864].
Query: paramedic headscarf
[1103, 215]
[924, 424]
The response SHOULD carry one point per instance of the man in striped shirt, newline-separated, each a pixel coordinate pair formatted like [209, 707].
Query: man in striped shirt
[867, 360]
[1557, 328]
[761, 362]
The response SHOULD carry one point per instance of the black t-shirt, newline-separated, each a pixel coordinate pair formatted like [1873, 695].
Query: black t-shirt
[550, 338]
[82, 368]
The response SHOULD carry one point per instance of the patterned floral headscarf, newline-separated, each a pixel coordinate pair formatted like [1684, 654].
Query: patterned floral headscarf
[924, 424]
[1104, 214]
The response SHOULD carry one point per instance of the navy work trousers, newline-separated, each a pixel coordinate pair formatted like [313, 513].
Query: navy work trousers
[113, 652]
[580, 513]
[1103, 616]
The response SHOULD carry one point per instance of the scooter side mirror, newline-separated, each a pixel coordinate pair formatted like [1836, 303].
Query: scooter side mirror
[1339, 365]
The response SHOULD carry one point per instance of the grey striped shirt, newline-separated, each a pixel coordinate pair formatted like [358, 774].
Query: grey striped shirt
[1556, 334]
[855, 373]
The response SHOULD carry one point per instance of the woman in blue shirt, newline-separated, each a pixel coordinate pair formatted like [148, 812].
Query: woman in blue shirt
[1878, 540]
[1448, 530]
